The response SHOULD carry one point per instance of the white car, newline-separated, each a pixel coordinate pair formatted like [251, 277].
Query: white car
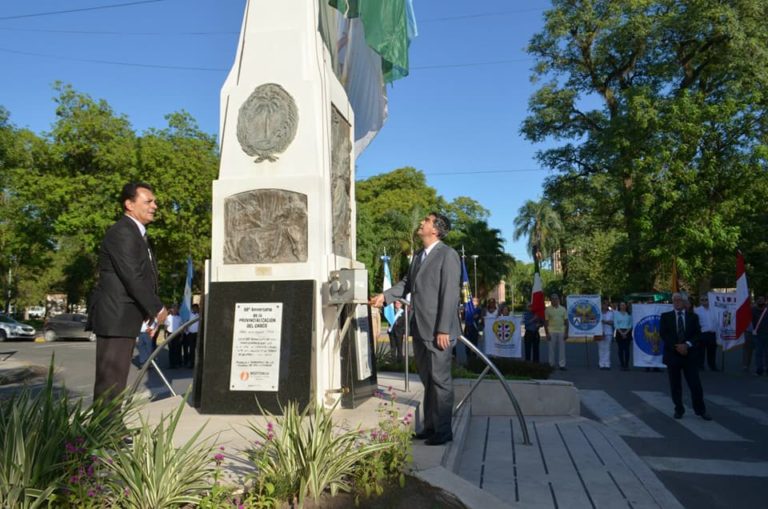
[11, 329]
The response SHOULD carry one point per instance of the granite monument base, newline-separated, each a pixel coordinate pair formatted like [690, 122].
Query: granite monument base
[221, 382]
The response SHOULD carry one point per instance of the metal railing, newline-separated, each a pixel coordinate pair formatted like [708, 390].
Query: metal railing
[490, 366]
[151, 360]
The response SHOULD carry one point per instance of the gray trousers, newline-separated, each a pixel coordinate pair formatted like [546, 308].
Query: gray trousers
[434, 366]
[113, 361]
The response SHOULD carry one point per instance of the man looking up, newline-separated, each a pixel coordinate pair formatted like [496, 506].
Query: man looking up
[434, 282]
[126, 293]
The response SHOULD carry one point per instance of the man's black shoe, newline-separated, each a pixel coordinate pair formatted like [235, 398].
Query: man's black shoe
[706, 416]
[423, 435]
[438, 440]
[678, 415]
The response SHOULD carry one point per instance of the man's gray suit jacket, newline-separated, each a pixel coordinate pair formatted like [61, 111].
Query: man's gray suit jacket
[435, 288]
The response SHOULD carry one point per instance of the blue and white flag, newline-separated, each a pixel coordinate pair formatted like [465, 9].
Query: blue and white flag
[389, 311]
[186, 303]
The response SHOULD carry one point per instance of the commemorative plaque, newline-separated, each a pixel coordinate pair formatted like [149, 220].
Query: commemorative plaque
[256, 347]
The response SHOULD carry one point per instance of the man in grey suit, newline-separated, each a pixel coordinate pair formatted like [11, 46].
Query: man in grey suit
[433, 280]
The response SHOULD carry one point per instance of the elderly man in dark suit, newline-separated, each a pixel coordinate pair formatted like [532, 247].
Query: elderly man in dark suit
[126, 294]
[680, 331]
[433, 280]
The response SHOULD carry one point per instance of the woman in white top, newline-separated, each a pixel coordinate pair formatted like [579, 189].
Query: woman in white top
[604, 345]
[622, 321]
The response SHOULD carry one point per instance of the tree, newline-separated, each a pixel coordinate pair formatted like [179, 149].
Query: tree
[541, 224]
[665, 101]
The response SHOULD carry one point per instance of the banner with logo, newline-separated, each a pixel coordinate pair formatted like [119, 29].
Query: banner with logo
[502, 336]
[723, 307]
[584, 316]
[648, 347]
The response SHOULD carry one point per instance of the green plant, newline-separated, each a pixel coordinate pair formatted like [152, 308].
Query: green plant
[513, 368]
[389, 465]
[36, 429]
[302, 454]
[225, 496]
[153, 473]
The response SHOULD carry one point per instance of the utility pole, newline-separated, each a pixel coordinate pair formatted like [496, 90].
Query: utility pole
[474, 260]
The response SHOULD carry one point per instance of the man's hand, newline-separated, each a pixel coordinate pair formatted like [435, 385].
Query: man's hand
[682, 348]
[376, 301]
[443, 341]
[161, 316]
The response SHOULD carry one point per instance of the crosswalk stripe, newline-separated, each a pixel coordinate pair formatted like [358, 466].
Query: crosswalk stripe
[708, 466]
[739, 408]
[615, 416]
[706, 430]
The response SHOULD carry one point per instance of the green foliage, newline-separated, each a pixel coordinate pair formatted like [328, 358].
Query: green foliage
[542, 225]
[43, 438]
[513, 368]
[155, 474]
[302, 454]
[658, 108]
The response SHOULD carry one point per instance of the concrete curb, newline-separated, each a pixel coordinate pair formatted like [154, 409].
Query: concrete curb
[470, 495]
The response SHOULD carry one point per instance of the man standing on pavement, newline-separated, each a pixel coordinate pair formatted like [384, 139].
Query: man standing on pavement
[708, 342]
[434, 282]
[126, 293]
[556, 330]
[532, 324]
[680, 331]
[760, 335]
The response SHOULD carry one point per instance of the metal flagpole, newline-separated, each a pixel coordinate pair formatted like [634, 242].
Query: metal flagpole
[406, 305]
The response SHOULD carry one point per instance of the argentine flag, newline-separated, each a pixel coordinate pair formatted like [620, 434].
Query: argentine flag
[186, 303]
[389, 311]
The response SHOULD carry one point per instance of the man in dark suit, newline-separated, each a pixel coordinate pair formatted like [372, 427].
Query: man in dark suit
[680, 331]
[126, 293]
[433, 280]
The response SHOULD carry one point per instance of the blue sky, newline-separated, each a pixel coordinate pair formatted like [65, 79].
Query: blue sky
[456, 117]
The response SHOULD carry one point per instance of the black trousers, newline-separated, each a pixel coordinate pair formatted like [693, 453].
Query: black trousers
[188, 345]
[686, 366]
[532, 340]
[174, 351]
[113, 361]
[708, 349]
[625, 344]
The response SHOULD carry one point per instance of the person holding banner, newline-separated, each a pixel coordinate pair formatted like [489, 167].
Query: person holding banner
[532, 337]
[434, 282]
[622, 321]
[680, 332]
[556, 330]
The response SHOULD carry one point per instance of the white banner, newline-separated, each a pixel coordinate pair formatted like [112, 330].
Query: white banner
[584, 316]
[723, 307]
[648, 348]
[502, 336]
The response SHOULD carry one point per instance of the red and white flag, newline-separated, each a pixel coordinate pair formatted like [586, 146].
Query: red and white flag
[537, 297]
[743, 306]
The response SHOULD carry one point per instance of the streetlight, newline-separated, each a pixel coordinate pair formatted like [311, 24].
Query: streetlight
[474, 260]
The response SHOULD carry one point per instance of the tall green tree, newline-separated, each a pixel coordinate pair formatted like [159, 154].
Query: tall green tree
[538, 221]
[665, 101]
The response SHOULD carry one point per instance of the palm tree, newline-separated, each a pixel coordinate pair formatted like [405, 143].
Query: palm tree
[541, 224]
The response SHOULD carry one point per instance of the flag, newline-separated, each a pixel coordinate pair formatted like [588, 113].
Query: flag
[537, 297]
[466, 294]
[389, 311]
[743, 307]
[186, 302]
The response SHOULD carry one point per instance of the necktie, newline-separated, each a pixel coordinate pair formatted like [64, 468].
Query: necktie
[151, 261]
[680, 326]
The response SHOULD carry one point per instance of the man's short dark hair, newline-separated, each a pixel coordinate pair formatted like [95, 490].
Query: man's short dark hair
[442, 224]
[131, 189]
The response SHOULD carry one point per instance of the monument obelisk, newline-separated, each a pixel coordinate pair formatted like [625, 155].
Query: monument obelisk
[283, 221]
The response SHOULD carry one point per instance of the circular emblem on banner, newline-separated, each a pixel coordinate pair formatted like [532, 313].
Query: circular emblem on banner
[583, 315]
[647, 336]
[504, 330]
[267, 122]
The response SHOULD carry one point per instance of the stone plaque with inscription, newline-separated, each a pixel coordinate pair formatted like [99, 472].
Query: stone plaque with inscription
[341, 166]
[265, 226]
[267, 122]
[256, 347]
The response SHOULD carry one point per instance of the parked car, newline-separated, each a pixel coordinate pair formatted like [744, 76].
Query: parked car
[68, 326]
[11, 329]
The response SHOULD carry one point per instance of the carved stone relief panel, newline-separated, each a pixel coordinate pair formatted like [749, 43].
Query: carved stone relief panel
[341, 167]
[265, 226]
[267, 122]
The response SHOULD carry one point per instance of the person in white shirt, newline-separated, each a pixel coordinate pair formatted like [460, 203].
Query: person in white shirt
[604, 345]
[172, 324]
[708, 339]
[189, 343]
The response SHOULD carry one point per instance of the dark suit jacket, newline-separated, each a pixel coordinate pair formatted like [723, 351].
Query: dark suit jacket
[435, 288]
[126, 293]
[668, 333]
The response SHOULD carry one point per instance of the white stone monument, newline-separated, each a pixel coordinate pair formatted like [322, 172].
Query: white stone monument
[283, 211]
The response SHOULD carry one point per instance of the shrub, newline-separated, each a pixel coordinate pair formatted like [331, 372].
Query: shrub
[516, 368]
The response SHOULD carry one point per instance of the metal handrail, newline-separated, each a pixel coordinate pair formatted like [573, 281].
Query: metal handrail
[489, 365]
[153, 355]
[406, 304]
